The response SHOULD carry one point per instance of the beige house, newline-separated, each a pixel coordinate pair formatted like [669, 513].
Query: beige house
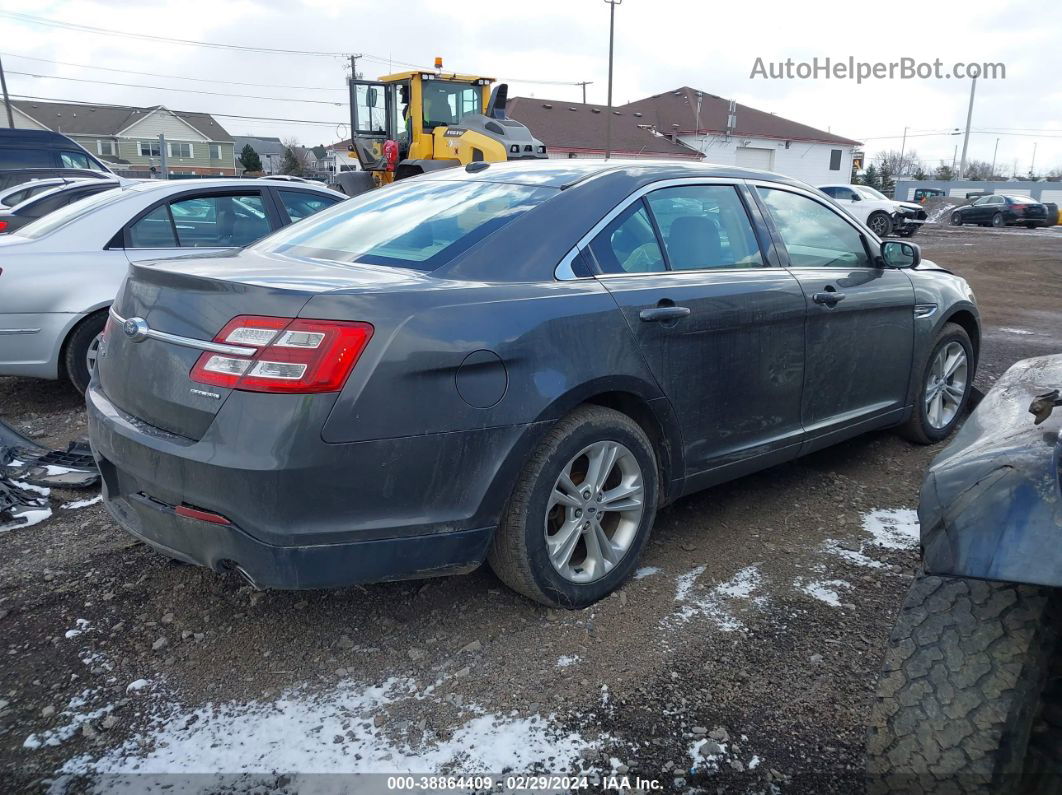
[128, 137]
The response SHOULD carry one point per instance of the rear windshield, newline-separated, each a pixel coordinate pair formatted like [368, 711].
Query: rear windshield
[420, 225]
[71, 212]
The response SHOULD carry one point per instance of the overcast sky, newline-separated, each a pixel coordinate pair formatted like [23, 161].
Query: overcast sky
[711, 46]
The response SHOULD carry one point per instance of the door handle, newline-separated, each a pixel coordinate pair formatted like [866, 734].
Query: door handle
[830, 298]
[662, 314]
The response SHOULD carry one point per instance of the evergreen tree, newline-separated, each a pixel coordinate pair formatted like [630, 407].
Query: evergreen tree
[250, 159]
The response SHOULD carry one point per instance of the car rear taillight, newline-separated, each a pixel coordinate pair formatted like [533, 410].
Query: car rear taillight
[290, 355]
[3, 226]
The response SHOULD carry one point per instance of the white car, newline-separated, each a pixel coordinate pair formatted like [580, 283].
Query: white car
[883, 215]
[59, 274]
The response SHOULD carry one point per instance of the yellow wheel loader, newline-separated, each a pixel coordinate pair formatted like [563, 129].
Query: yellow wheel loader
[408, 123]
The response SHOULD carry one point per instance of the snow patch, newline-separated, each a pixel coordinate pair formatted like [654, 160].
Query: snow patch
[138, 684]
[27, 519]
[333, 732]
[646, 571]
[717, 604]
[893, 528]
[82, 626]
[823, 590]
[1021, 331]
[567, 660]
[42, 490]
[82, 503]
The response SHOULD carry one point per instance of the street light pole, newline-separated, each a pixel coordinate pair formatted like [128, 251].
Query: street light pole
[994, 153]
[903, 147]
[966, 138]
[611, 36]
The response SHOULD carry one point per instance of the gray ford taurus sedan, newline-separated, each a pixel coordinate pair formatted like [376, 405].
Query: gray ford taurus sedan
[516, 363]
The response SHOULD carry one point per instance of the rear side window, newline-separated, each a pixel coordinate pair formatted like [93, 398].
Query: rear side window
[705, 226]
[74, 160]
[628, 244]
[301, 204]
[421, 225]
[814, 235]
[26, 158]
[154, 230]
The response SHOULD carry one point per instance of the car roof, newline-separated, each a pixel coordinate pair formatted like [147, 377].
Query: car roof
[223, 182]
[564, 173]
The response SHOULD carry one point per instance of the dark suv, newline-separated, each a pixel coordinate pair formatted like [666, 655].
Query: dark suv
[36, 154]
[511, 362]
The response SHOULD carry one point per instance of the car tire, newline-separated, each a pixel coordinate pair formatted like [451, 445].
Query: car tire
[921, 427]
[956, 219]
[80, 346]
[1030, 226]
[997, 221]
[520, 553]
[961, 688]
[880, 224]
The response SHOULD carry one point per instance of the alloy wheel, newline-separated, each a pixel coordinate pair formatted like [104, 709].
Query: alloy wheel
[946, 385]
[594, 511]
[93, 353]
[879, 225]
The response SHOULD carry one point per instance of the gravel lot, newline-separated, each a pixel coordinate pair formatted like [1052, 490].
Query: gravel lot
[741, 659]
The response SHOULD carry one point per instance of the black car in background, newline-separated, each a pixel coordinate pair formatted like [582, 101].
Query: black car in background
[40, 205]
[1000, 210]
[45, 149]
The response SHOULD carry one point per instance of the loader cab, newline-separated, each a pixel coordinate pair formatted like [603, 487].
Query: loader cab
[413, 109]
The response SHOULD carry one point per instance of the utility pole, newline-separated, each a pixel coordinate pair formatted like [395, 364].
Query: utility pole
[354, 97]
[7, 100]
[1032, 165]
[164, 162]
[966, 138]
[994, 153]
[903, 147]
[611, 36]
[584, 84]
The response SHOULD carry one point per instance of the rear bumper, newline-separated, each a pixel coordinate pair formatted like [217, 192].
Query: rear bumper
[305, 513]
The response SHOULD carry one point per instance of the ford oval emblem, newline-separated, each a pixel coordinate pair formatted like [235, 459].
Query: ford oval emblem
[136, 329]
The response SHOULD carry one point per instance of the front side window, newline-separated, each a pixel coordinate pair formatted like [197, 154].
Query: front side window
[74, 159]
[420, 225]
[814, 235]
[301, 204]
[704, 226]
[150, 149]
[446, 103]
[178, 149]
[628, 244]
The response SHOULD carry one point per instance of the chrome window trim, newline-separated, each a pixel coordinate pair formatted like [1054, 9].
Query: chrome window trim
[190, 342]
[564, 271]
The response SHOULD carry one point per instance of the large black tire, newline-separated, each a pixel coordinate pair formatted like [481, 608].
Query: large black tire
[956, 218]
[75, 352]
[518, 553]
[880, 223]
[997, 221]
[918, 428]
[960, 688]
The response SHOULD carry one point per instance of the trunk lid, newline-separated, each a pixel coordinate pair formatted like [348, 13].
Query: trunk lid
[195, 298]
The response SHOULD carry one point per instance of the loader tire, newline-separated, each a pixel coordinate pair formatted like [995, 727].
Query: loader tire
[960, 688]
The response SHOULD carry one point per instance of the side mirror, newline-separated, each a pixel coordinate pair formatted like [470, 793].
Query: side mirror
[856, 197]
[370, 97]
[898, 254]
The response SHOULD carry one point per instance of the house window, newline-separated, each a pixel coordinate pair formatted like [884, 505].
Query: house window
[105, 147]
[835, 160]
[215, 151]
[180, 149]
[150, 149]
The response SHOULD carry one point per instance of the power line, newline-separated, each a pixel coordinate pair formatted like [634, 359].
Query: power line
[222, 115]
[171, 77]
[182, 90]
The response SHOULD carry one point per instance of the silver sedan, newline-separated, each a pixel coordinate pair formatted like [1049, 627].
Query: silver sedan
[59, 275]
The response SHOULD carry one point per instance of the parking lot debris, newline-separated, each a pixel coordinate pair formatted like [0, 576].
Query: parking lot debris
[20, 506]
[24, 460]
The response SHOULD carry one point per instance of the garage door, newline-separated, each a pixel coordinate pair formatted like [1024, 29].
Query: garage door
[754, 157]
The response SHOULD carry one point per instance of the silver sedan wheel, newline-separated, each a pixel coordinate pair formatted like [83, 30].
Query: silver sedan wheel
[946, 385]
[93, 353]
[594, 511]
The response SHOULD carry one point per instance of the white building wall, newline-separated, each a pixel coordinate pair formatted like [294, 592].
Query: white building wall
[803, 160]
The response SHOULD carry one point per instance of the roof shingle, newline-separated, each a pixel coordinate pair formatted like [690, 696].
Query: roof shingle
[77, 119]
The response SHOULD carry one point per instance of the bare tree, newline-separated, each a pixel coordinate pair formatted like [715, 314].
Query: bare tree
[980, 170]
[1054, 175]
[298, 160]
[901, 166]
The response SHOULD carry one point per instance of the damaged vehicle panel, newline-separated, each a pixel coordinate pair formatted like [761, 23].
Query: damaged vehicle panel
[991, 505]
